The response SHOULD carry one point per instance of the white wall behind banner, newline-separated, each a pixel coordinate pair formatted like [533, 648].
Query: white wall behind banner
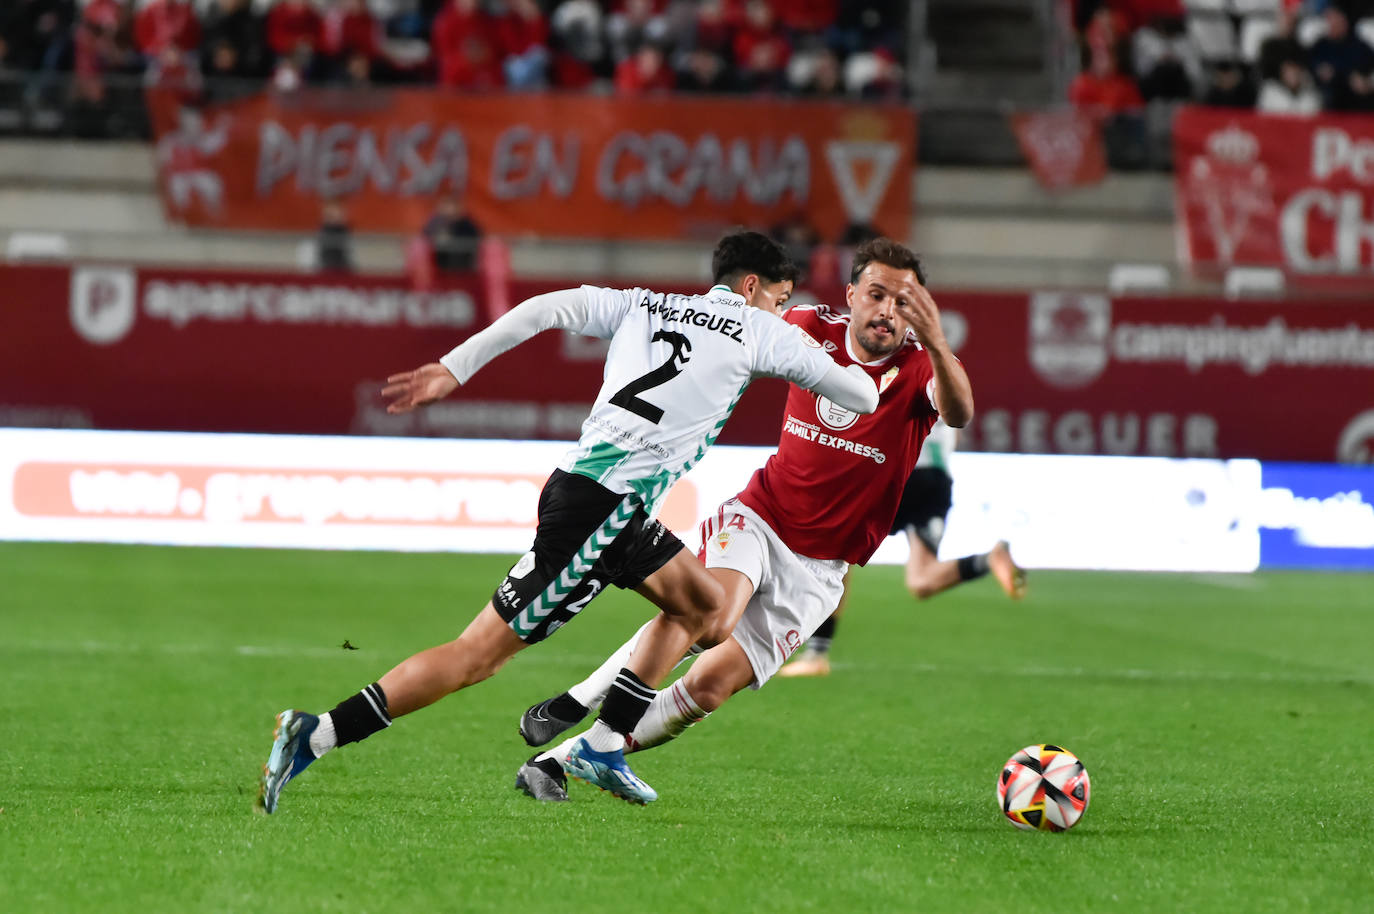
[482, 496]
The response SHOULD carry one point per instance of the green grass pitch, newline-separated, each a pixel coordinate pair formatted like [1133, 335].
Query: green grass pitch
[1225, 721]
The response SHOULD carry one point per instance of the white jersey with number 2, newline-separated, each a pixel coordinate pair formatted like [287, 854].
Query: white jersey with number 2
[676, 368]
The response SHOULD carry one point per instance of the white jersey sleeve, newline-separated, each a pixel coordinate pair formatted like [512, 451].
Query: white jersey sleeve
[572, 309]
[786, 351]
[606, 310]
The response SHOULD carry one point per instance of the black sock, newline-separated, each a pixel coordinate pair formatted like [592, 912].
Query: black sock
[626, 702]
[359, 716]
[565, 707]
[973, 566]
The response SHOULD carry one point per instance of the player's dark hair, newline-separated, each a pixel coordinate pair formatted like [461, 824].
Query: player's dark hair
[889, 253]
[741, 253]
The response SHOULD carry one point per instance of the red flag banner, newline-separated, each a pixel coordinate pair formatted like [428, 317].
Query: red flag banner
[1064, 147]
[554, 165]
[1274, 190]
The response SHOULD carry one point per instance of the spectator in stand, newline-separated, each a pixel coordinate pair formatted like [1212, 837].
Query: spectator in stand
[35, 34]
[799, 238]
[164, 25]
[523, 33]
[1102, 90]
[1106, 30]
[334, 242]
[816, 75]
[453, 237]
[465, 48]
[104, 44]
[1293, 92]
[634, 23]
[703, 70]
[294, 33]
[867, 25]
[873, 74]
[806, 18]
[578, 51]
[646, 71]
[234, 39]
[1281, 46]
[761, 49]
[1339, 59]
[1230, 87]
[1167, 63]
[348, 31]
[715, 24]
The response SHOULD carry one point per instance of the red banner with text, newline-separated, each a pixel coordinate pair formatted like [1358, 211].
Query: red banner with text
[552, 165]
[1273, 190]
[1071, 373]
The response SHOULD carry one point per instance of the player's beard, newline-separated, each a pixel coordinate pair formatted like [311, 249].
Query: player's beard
[879, 345]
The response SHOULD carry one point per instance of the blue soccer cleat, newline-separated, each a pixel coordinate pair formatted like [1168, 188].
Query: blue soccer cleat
[608, 771]
[290, 755]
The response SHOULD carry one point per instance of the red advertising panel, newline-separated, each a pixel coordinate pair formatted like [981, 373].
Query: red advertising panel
[1068, 373]
[1290, 192]
[554, 165]
[94, 346]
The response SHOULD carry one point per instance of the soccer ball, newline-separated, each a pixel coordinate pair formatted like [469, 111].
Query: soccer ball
[1043, 787]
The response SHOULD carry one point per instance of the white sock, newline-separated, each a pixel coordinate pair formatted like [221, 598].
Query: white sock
[591, 692]
[323, 739]
[603, 739]
[673, 710]
[560, 752]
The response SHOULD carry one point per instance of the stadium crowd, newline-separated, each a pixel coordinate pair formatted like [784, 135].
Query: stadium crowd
[806, 47]
[1279, 56]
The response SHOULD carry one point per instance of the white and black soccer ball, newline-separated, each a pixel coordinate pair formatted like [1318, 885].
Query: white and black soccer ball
[1044, 787]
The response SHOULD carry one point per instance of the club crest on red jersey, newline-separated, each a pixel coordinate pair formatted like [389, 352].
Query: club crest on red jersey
[886, 380]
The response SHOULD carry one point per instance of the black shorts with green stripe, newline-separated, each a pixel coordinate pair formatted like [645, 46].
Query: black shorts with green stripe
[588, 537]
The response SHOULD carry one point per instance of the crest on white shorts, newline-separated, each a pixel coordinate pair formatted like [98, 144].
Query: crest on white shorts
[723, 540]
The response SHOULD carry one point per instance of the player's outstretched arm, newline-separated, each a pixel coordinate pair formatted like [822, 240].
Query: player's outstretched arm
[953, 391]
[568, 308]
[848, 387]
[412, 389]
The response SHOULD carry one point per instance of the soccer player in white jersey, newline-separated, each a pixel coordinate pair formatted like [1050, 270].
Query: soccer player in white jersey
[926, 501]
[824, 501]
[676, 367]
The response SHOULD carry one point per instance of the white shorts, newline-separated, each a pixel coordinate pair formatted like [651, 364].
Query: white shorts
[793, 594]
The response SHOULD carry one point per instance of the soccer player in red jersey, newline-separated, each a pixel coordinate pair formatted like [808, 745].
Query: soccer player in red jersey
[824, 501]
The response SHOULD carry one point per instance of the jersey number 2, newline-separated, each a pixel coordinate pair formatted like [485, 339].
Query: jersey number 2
[628, 396]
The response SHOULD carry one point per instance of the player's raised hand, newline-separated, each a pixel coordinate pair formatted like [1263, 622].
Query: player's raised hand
[919, 309]
[424, 385]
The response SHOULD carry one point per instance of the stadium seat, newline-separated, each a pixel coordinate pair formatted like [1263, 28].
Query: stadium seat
[1214, 36]
[1126, 278]
[1252, 7]
[37, 246]
[1310, 29]
[1243, 281]
[1205, 6]
[1253, 32]
[1365, 30]
[308, 255]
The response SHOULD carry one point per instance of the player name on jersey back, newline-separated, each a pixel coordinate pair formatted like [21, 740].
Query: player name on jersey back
[672, 310]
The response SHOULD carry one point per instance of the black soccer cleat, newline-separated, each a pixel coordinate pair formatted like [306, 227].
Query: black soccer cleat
[542, 722]
[544, 780]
